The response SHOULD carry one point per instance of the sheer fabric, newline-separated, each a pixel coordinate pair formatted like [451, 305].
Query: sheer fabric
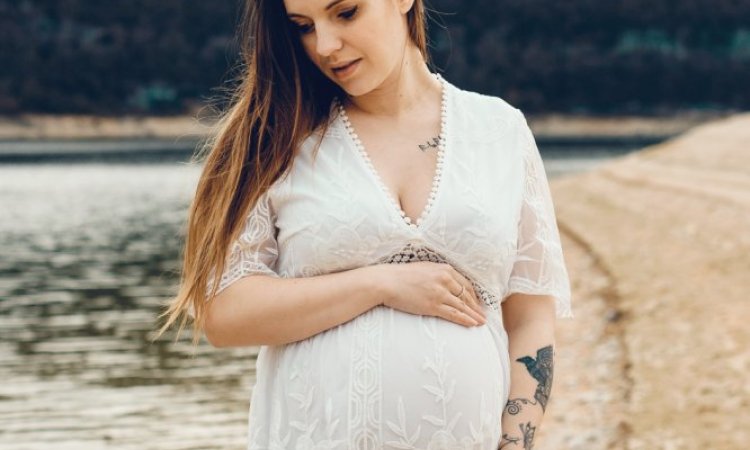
[388, 379]
[255, 250]
[539, 266]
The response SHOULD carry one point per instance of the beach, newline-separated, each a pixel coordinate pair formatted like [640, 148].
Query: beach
[658, 247]
[26, 127]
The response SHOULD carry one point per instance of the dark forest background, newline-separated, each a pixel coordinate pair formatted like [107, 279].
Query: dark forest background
[574, 56]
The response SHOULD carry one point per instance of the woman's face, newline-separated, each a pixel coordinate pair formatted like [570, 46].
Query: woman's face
[365, 37]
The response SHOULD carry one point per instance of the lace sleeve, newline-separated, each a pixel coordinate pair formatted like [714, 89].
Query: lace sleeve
[255, 250]
[539, 267]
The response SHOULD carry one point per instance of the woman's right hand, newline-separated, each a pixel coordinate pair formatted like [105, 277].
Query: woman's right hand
[429, 288]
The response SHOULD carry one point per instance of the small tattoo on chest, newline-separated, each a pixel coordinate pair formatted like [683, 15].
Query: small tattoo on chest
[433, 143]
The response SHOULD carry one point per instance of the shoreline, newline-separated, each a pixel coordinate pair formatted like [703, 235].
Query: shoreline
[46, 127]
[657, 250]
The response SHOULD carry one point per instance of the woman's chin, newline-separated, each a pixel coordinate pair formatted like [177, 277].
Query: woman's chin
[352, 88]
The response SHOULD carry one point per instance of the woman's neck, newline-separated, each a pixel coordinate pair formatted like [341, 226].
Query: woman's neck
[410, 84]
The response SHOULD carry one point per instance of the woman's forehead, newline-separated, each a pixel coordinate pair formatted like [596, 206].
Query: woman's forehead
[309, 7]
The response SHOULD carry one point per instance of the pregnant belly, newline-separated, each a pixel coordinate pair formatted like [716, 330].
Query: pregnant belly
[397, 379]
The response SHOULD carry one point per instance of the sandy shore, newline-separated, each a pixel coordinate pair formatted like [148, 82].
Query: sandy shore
[62, 127]
[658, 248]
[77, 127]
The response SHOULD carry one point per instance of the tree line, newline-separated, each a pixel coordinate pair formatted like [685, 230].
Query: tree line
[172, 56]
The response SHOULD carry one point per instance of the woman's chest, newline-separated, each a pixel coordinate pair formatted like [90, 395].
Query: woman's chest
[334, 213]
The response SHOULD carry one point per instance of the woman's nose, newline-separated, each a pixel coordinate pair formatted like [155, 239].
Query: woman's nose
[328, 41]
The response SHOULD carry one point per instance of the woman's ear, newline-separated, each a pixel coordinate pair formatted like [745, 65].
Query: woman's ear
[404, 5]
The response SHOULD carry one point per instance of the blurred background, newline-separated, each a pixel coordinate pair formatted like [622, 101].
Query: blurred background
[103, 103]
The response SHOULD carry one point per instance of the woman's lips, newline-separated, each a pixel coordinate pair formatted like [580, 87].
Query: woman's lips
[347, 70]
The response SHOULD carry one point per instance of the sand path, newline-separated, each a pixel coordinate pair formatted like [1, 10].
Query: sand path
[658, 247]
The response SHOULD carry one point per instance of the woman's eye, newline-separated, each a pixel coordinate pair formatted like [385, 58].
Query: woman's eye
[304, 29]
[349, 13]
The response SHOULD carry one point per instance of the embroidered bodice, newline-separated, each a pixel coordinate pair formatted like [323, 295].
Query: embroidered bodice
[490, 213]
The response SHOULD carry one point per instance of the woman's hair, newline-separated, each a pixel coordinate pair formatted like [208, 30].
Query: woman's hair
[281, 100]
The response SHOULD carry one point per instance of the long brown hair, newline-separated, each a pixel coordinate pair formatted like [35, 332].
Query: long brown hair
[253, 144]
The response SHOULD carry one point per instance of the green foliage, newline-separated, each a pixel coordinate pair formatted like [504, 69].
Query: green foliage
[78, 56]
[155, 97]
[740, 46]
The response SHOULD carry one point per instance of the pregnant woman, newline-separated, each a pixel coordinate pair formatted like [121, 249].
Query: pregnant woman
[387, 239]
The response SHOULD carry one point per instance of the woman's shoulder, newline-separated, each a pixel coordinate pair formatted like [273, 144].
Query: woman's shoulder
[483, 110]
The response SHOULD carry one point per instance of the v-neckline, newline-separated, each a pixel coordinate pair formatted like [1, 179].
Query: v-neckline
[437, 177]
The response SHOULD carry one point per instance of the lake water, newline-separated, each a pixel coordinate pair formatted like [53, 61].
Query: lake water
[89, 254]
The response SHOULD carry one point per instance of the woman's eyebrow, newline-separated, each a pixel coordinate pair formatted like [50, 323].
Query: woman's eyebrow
[329, 6]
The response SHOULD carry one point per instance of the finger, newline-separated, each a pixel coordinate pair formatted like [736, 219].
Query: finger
[467, 296]
[474, 308]
[475, 295]
[468, 289]
[472, 299]
[479, 300]
[462, 306]
[452, 314]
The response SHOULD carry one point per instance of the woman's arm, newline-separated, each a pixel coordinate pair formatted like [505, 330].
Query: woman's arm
[285, 310]
[267, 310]
[530, 323]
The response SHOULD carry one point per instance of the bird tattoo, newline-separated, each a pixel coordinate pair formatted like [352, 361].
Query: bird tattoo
[541, 369]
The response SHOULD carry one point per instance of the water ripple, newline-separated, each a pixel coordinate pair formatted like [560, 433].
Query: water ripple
[90, 253]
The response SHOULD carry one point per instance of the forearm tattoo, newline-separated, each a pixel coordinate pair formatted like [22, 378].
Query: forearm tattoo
[541, 369]
[527, 433]
[509, 440]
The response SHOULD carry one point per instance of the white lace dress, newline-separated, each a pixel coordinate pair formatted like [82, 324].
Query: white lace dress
[388, 379]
